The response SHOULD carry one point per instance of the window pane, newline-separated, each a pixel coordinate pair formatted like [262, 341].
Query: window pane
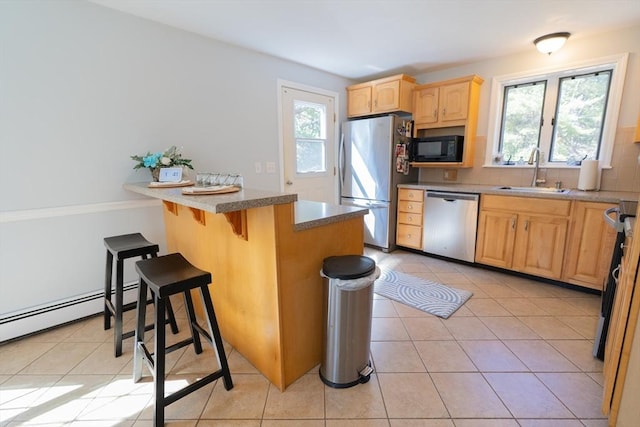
[309, 120]
[582, 102]
[310, 156]
[521, 115]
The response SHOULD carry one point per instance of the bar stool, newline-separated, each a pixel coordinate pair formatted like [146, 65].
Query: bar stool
[124, 247]
[165, 276]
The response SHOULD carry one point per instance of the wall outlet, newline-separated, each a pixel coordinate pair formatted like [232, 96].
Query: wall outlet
[258, 166]
[450, 174]
[271, 167]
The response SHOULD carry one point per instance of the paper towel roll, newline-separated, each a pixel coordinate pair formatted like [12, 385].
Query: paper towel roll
[588, 179]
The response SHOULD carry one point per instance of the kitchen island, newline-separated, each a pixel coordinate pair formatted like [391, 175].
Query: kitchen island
[265, 252]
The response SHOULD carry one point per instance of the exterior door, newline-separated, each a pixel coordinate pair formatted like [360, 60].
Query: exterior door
[308, 133]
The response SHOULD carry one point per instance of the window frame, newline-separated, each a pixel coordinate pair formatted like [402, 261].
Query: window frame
[618, 65]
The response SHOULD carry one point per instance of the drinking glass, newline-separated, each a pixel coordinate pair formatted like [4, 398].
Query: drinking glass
[201, 179]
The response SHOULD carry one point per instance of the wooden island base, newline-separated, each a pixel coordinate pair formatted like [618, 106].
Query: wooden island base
[267, 289]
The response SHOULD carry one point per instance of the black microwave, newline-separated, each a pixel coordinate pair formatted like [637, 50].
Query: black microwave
[437, 148]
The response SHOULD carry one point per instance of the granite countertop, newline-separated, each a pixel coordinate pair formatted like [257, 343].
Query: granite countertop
[590, 196]
[308, 214]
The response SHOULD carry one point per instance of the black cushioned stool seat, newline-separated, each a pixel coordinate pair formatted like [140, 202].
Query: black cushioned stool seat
[165, 276]
[124, 247]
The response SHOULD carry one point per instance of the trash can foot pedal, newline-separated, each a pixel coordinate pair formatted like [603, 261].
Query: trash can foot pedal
[365, 374]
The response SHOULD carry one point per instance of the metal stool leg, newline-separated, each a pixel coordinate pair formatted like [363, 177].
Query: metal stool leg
[171, 318]
[108, 275]
[117, 333]
[138, 341]
[191, 314]
[216, 337]
[159, 362]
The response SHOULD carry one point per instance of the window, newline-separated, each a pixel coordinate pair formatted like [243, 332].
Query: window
[521, 116]
[309, 130]
[580, 110]
[569, 113]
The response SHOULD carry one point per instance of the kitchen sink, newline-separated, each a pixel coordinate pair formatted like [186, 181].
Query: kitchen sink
[540, 190]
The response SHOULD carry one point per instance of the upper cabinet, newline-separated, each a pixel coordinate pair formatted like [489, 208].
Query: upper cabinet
[438, 106]
[385, 95]
[449, 104]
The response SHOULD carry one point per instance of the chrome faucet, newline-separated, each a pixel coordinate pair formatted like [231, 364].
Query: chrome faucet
[535, 156]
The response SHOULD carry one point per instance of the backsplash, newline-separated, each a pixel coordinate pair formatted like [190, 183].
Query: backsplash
[623, 176]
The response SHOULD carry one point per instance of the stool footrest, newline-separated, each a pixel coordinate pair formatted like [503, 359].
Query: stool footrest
[148, 356]
[132, 333]
[168, 400]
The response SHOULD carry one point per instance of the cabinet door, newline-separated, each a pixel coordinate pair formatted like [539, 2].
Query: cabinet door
[590, 246]
[410, 218]
[496, 234]
[454, 102]
[410, 207]
[410, 194]
[386, 96]
[425, 105]
[409, 236]
[540, 245]
[359, 101]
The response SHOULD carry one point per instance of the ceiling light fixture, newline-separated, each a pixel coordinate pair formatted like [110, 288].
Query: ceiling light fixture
[551, 42]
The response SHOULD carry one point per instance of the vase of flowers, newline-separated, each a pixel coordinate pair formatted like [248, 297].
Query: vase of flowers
[155, 161]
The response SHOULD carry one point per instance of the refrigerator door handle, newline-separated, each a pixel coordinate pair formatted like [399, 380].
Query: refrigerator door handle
[341, 158]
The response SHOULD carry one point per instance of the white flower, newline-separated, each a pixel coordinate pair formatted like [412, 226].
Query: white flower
[165, 161]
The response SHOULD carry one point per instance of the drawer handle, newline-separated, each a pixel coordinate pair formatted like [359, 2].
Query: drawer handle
[526, 225]
[513, 223]
[410, 206]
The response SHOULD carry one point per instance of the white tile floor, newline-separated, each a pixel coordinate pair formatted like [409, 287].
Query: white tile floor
[518, 353]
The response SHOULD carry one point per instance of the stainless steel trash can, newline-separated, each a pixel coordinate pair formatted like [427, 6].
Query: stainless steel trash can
[348, 302]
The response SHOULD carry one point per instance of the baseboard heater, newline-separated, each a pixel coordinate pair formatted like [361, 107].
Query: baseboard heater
[47, 316]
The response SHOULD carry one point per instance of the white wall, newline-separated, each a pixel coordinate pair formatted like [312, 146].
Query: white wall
[625, 172]
[82, 88]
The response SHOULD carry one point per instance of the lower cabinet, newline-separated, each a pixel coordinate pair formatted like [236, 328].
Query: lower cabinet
[590, 245]
[558, 239]
[523, 234]
[409, 227]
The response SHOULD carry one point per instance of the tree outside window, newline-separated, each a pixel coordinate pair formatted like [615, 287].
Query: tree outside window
[563, 113]
[310, 134]
[582, 102]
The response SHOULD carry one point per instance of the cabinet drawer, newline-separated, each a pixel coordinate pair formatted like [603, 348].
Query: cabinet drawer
[410, 218]
[530, 205]
[410, 236]
[411, 207]
[407, 194]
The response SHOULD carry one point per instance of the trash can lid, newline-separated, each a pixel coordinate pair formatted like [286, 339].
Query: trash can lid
[348, 266]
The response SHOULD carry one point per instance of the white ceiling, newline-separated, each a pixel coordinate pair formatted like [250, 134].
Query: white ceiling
[361, 39]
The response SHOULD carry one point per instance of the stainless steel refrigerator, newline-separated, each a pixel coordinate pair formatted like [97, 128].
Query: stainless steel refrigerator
[373, 161]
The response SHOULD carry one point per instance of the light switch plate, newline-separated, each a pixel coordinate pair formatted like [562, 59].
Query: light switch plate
[170, 175]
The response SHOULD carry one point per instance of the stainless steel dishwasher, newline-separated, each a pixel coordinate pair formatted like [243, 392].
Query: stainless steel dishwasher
[450, 224]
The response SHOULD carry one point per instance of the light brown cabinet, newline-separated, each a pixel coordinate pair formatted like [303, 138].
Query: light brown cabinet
[410, 209]
[523, 234]
[385, 95]
[438, 106]
[622, 351]
[590, 245]
[448, 107]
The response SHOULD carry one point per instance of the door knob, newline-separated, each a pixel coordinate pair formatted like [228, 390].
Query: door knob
[289, 183]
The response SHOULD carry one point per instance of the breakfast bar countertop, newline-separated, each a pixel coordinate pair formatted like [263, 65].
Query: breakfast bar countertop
[264, 250]
[308, 214]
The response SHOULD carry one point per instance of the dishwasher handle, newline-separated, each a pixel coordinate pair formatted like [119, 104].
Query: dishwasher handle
[451, 197]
